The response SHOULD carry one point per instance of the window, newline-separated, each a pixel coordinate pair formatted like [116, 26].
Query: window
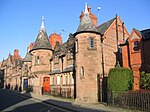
[82, 71]
[50, 65]
[72, 79]
[64, 79]
[70, 55]
[67, 80]
[136, 46]
[91, 42]
[37, 60]
[58, 80]
[52, 80]
[26, 67]
[76, 45]
[56, 60]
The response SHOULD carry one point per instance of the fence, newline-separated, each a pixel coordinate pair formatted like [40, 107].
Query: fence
[137, 100]
[62, 92]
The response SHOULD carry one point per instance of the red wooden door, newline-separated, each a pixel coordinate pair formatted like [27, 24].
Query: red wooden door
[46, 84]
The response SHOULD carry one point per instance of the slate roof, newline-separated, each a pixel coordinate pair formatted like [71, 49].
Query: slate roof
[145, 34]
[86, 25]
[68, 69]
[4, 62]
[42, 41]
[103, 27]
[28, 57]
[55, 71]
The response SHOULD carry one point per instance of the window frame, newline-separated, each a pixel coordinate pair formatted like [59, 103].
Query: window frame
[136, 46]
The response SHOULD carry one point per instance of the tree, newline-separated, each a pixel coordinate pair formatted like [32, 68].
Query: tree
[145, 81]
[120, 79]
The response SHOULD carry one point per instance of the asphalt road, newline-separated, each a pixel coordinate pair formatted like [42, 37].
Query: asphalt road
[14, 102]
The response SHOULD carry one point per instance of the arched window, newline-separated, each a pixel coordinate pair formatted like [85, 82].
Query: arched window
[91, 42]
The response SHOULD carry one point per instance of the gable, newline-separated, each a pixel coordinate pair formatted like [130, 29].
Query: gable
[135, 36]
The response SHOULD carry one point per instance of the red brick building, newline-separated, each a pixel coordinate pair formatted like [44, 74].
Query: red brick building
[136, 55]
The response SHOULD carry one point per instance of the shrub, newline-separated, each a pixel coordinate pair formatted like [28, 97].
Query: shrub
[145, 81]
[120, 79]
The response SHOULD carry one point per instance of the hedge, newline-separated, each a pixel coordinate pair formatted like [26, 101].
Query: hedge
[120, 79]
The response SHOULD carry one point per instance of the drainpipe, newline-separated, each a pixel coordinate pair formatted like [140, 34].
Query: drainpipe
[117, 55]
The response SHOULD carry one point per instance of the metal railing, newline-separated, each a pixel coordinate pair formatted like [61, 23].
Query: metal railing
[137, 100]
[61, 92]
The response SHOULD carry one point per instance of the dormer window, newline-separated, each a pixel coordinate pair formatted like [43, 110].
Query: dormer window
[91, 42]
[136, 46]
[56, 60]
[70, 55]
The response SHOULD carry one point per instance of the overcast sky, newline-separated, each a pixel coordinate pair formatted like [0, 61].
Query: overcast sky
[20, 20]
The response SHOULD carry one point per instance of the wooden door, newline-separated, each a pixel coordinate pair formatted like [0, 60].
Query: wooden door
[46, 84]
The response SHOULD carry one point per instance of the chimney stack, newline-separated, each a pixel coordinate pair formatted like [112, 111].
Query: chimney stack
[16, 53]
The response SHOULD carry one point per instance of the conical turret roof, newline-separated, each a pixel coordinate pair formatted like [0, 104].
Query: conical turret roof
[86, 24]
[42, 41]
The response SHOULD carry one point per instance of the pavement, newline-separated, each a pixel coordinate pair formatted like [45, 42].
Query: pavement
[71, 105]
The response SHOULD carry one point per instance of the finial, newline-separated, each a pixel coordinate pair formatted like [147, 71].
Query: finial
[42, 26]
[86, 9]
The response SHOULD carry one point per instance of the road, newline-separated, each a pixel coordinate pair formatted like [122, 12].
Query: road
[10, 101]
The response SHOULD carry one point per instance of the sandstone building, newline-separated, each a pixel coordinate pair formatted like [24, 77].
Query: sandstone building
[77, 67]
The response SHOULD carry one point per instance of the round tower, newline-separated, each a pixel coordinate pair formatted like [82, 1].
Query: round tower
[41, 53]
[88, 60]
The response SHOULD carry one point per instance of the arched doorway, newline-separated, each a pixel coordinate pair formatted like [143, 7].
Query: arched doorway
[46, 84]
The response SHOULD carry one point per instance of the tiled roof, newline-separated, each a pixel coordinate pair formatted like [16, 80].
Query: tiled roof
[28, 57]
[103, 27]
